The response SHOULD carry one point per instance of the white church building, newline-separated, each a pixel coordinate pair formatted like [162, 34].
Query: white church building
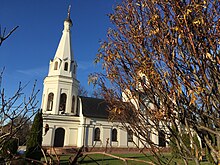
[73, 120]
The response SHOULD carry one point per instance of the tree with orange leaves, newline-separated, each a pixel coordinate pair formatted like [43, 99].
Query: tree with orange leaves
[163, 55]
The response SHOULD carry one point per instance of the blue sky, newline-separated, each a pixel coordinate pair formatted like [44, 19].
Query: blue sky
[26, 53]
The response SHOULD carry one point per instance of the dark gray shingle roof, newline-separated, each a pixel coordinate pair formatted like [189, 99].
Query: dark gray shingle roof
[93, 107]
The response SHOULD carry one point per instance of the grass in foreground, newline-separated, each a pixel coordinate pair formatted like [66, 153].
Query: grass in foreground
[106, 160]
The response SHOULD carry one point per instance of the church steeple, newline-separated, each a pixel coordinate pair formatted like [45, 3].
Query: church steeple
[63, 62]
[61, 86]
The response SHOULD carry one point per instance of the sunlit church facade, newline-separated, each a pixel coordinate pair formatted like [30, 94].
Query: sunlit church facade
[71, 120]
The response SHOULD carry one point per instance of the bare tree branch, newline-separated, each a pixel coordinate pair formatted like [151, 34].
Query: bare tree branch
[3, 37]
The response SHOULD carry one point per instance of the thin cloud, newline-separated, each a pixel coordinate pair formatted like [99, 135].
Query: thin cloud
[39, 72]
[85, 65]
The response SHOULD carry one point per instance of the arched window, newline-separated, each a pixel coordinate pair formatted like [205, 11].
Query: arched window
[73, 104]
[56, 65]
[62, 106]
[66, 66]
[130, 136]
[50, 102]
[114, 134]
[162, 138]
[46, 129]
[97, 134]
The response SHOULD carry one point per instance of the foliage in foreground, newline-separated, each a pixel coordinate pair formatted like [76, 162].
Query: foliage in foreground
[164, 56]
[9, 148]
[34, 143]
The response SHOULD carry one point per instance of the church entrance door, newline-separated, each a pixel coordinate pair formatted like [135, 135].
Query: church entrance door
[59, 137]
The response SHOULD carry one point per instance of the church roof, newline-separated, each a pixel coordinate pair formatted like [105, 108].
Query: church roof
[93, 107]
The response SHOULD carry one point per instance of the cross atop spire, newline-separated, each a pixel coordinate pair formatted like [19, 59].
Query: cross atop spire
[68, 19]
[68, 16]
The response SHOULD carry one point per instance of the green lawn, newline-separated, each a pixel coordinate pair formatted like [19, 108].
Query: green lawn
[106, 160]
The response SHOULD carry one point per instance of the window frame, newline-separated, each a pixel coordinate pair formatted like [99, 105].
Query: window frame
[73, 104]
[130, 136]
[56, 65]
[97, 134]
[66, 65]
[161, 138]
[63, 99]
[50, 101]
[114, 135]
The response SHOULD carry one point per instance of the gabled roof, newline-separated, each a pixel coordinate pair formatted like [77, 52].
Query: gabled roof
[93, 107]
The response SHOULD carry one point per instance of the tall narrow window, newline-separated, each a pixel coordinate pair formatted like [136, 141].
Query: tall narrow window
[149, 135]
[162, 138]
[74, 69]
[50, 102]
[66, 66]
[62, 106]
[56, 65]
[77, 106]
[114, 134]
[130, 136]
[97, 134]
[144, 79]
[73, 104]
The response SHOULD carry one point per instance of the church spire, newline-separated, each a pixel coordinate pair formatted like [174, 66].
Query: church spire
[63, 63]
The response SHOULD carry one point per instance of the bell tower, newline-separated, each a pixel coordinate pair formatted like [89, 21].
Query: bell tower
[61, 86]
